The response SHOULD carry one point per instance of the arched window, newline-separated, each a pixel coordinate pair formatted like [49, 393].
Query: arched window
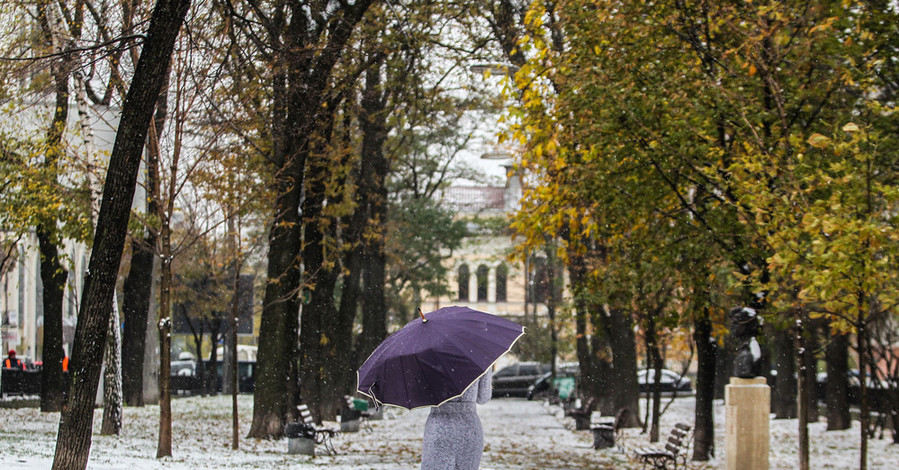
[481, 273]
[463, 282]
[502, 273]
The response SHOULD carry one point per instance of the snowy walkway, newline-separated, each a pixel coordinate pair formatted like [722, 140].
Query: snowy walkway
[519, 434]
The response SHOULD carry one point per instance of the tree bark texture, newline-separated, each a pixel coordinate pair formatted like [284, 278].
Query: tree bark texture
[594, 369]
[654, 362]
[837, 387]
[136, 309]
[76, 420]
[164, 437]
[375, 167]
[112, 377]
[704, 413]
[138, 287]
[810, 367]
[322, 333]
[53, 277]
[301, 80]
[783, 399]
[622, 340]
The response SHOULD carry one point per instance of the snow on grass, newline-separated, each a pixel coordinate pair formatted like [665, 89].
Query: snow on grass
[519, 434]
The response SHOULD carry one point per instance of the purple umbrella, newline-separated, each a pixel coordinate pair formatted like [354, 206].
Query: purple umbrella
[435, 358]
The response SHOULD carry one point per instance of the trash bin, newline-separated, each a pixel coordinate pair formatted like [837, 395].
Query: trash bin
[349, 419]
[603, 436]
[300, 439]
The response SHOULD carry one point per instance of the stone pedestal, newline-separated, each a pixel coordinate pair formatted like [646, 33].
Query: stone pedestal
[748, 408]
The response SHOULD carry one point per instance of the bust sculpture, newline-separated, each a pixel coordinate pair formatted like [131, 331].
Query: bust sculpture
[745, 325]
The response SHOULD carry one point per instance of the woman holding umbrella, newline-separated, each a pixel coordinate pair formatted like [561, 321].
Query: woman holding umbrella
[442, 360]
[454, 438]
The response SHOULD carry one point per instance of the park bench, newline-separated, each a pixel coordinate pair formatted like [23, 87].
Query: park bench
[609, 434]
[355, 411]
[307, 429]
[674, 453]
[582, 415]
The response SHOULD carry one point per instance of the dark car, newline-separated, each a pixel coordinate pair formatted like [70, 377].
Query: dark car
[566, 375]
[670, 381]
[878, 390]
[514, 380]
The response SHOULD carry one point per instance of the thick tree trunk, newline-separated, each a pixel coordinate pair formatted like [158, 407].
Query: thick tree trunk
[783, 400]
[655, 364]
[622, 340]
[136, 308]
[810, 367]
[138, 287]
[303, 80]
[275, 390]
[53, 276]
[112, 377]
[704, 413]
[320, 329]
[375, 167]
[594, 370]
[837, 387]
[278, 331]
[76, 420]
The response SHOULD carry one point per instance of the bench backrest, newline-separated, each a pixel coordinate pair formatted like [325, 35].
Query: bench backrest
[678, 440]
[305, 414]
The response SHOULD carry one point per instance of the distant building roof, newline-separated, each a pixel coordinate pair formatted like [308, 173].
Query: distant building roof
[475, 198]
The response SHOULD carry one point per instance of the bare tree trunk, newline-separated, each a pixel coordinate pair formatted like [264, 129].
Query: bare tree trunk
[783, 399]
[164, 442]
[138, 287]
[802, 391]
[623, 343]
[706, 351]
[374, 173]
[112, 376]
[861, 337]
[53, 275]
[654, 364]
[234, 240]
[76, 420]
[837, 387]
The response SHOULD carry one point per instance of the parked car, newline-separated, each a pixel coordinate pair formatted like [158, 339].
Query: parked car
[566, 376]
[514, 380]
[670, 381]
[878, 390]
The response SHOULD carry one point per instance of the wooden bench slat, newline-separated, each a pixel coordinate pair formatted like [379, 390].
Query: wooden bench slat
[674, 450]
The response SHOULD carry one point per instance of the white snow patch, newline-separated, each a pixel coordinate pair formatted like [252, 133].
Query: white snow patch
[754, 349]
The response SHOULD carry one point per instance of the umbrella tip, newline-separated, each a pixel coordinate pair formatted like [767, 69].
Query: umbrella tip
[422, 315]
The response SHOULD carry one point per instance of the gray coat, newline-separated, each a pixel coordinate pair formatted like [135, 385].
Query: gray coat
[454, 439]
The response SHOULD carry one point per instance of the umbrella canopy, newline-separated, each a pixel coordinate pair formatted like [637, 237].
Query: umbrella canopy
[436, 358]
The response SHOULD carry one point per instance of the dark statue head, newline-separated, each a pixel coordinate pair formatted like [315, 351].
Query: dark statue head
[744, 323]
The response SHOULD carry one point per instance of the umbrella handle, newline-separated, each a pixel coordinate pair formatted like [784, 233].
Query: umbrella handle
[423, 319]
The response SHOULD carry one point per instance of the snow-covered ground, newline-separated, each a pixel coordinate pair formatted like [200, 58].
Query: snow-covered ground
[519, 434]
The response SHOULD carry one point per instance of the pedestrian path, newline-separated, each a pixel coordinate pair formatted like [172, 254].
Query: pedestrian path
[518, 434]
